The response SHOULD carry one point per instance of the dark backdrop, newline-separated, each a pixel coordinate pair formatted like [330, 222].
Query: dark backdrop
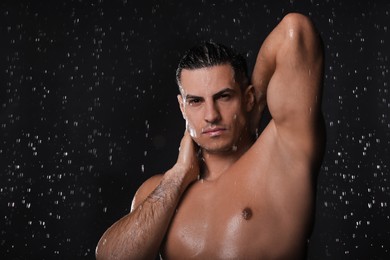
[89, 111]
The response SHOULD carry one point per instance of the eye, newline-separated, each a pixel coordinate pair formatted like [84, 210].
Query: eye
[225, 96]
[194, 101]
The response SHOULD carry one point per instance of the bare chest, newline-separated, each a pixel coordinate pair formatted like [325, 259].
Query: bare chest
[217, 223]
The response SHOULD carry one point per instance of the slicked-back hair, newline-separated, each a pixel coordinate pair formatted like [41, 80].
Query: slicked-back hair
[208, 54]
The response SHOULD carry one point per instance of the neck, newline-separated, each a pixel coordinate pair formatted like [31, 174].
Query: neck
[216, 163]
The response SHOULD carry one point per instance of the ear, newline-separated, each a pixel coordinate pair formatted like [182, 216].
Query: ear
[250, 98]
[181, 105]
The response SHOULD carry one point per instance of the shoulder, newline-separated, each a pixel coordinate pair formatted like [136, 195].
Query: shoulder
[145, 189]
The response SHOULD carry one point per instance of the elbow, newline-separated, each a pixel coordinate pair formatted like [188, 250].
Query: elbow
[300, 29]
[106, 251]
[297, 24]
[301, 36]
[102, 250]
[99, 254]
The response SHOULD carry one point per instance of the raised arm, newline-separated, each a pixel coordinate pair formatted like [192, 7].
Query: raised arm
[288, 77]
[139, 234]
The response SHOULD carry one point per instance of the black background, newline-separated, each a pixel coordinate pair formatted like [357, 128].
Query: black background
[89, 111]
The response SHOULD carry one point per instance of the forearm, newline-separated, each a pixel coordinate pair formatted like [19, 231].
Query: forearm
[262, 73]
[139, 234]
[265, 65]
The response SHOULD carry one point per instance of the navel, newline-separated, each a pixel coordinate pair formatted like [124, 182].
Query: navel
[247, 213]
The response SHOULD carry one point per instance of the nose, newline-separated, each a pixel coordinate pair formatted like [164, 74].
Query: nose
[212, 114]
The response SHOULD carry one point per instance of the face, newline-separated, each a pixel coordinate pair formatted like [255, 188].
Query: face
[214, 107]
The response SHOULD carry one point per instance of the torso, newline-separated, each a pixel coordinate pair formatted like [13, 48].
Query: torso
[257, 209]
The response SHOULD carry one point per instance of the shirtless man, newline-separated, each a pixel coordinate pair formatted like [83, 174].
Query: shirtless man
[230, 196]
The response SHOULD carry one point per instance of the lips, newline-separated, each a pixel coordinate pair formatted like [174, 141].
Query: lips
[213, 130]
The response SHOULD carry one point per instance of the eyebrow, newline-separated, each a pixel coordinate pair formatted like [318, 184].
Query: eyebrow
[219, 93]
[191, 96]
[223, 91]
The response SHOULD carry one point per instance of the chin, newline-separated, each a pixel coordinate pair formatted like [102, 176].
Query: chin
[220, 148]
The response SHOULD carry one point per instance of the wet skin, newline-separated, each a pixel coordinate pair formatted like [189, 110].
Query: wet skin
[236, 210]
[216, 110]
[254, 198]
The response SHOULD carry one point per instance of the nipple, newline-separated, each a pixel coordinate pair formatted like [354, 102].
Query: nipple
[247, 213]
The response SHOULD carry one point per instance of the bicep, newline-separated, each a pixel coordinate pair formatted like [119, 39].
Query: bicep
[294, 91]
[294, 97]
[295, 107]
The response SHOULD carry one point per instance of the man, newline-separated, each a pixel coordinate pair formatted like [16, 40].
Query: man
[230, 196]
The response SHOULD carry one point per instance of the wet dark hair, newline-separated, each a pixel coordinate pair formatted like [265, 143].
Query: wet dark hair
[208, 54]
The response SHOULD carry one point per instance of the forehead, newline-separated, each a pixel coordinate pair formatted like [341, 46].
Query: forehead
[208, 79]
